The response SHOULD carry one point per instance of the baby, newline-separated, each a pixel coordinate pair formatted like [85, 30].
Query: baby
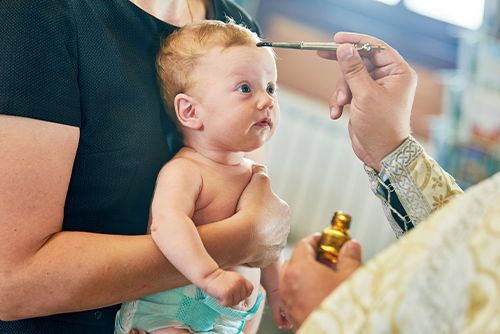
[221, 90]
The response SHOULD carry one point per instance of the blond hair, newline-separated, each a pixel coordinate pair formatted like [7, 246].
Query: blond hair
[181, 51]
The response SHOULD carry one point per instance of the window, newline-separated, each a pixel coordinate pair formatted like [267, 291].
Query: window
[425, 32]
[464, 13]
[389, 2]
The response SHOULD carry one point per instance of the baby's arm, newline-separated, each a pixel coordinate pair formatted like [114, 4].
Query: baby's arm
[177, 189]
[270, 281]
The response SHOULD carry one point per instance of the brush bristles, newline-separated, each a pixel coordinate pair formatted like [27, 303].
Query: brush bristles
[264, 44]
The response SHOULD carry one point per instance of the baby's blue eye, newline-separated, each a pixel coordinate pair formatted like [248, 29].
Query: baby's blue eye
[271, 89]
[245, 88]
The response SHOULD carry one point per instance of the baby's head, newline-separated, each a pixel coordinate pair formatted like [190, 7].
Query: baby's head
[215, 81]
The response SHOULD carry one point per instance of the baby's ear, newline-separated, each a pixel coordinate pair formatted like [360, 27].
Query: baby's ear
[185, 109]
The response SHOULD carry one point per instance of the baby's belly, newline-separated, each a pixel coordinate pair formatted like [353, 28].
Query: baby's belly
[253, 275]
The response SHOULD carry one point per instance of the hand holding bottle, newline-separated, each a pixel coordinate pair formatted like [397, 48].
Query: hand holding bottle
[300, 293]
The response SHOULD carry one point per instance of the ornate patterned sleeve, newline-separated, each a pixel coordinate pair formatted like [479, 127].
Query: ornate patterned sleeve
[443, 277]
[411, 185]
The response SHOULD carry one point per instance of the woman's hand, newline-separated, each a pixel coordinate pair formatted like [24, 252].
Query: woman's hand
[269, 217]
[380, 87]
[305, 282]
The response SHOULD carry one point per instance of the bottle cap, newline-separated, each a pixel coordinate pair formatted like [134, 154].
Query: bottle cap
[341, 218]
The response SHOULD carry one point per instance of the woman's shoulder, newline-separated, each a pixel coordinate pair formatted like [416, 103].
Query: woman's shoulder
[34, 13]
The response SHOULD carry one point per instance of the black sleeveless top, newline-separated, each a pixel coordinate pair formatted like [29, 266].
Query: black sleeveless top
[91, 64]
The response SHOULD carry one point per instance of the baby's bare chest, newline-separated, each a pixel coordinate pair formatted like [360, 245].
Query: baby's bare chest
[220, 194]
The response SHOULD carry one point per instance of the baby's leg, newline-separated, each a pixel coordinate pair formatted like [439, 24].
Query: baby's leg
[252, 325]
[170, 331]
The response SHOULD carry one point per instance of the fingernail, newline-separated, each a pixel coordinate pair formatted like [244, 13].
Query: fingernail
[344, 53]
[340, 96]
[333, 112]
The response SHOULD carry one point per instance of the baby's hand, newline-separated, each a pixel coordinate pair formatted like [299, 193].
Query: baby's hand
[229, 288]
[277, 310]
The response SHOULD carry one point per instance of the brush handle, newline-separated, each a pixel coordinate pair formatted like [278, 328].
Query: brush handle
[325, 46]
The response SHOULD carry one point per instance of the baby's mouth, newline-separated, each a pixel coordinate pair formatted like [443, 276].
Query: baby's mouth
[265, 122]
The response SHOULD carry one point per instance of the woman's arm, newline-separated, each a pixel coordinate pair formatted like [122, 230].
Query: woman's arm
[44, 270]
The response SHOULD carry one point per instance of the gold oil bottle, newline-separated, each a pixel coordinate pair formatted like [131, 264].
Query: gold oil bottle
[333, 238]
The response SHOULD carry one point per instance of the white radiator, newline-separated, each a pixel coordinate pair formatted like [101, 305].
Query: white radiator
[312, 167]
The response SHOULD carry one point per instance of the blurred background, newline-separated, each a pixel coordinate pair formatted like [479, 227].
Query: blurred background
[455, 47]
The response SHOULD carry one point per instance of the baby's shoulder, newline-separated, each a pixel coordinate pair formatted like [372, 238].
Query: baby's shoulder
[181, 165]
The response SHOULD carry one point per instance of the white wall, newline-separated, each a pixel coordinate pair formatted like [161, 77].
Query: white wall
[313, 168]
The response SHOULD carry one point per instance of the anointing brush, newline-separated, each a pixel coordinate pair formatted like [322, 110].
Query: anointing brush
[326, 46]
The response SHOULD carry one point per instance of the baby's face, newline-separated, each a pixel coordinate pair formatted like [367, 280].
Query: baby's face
[236, 91]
